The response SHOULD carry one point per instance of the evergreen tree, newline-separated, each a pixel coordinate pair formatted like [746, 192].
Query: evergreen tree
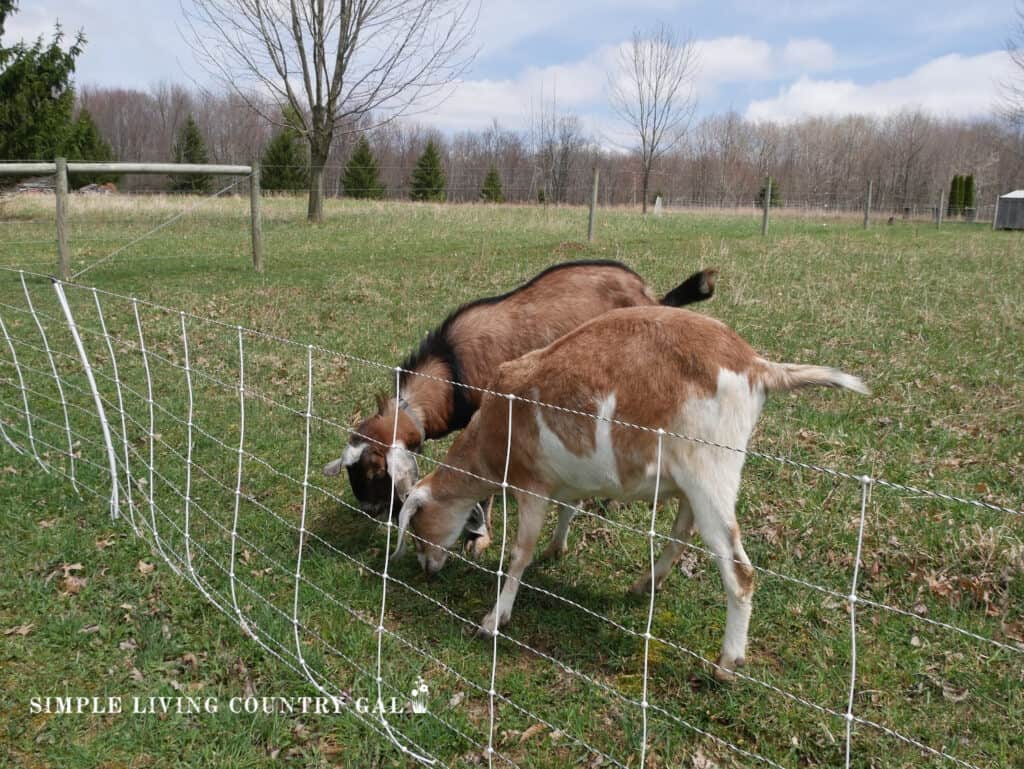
[86, 143]
[775, 199]
[190, 148]
[969, 191]
[957, 189]
[428, 180]
[36, 95]
[284, 165]
[491, 191]
[361, 178]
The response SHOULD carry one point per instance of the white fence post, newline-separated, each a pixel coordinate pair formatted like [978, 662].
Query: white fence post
[111, 457]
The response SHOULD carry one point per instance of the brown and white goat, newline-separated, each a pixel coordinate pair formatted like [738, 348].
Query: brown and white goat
[649, 366]
[468, 347]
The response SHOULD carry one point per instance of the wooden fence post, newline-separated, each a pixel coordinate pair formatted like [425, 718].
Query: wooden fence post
[767, 204]
[63, 254]
[942, 203]
[867, 205]
[593, 207]
[257, 219]
[995, 213]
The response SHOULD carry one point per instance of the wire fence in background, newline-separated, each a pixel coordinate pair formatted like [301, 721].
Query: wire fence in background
[201, 434]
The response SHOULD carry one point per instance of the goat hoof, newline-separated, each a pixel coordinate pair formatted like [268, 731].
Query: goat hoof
[487, 628]
[723, 672]
[552, 553]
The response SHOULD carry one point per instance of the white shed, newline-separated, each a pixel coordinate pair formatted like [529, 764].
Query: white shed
[1010, 214]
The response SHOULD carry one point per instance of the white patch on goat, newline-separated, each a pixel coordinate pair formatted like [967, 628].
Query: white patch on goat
[710, 478]
[352, 454]
[727, 418]
[588, 474]
[402, 468]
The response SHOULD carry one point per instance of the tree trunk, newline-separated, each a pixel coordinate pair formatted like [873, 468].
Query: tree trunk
[646, 182]
[315, 211]
[319, 149]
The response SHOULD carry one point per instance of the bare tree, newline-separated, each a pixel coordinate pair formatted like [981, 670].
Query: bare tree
[332, 61]
[653, 92]
[1012, 106]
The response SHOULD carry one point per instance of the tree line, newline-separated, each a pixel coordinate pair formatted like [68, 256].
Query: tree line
[910, 157]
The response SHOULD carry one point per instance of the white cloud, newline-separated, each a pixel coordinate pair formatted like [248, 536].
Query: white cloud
[808, 55]
[582, 86]
[732, 59]
[742, 59]
[949, 86]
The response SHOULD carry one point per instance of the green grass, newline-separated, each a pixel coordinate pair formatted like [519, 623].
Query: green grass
[932, 319]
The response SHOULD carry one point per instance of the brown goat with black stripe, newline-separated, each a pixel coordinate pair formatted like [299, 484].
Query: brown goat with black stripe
[468, 347]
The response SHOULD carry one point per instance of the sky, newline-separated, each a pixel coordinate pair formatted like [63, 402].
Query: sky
[767, 60]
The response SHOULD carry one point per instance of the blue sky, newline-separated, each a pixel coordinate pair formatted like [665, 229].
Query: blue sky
[767, 60]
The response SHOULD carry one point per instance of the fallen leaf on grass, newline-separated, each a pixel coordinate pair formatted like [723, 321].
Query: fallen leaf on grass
[700, 761]
[145, 567]
[72, 585]
[128, 645]
[136, 674]
[953, 694]
[531, 732]
[64, 570]
[456, 699]
[190, 660]
[20, 629]
[90, 629]
[48, 524]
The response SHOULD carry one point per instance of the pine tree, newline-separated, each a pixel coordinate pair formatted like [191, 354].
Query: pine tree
[284, 166]
[36, 94]
[428, 180]
[969, 201]
[190, 148]
[775, 199]
[86, 143]
[491, 192]
[956, 196]
[361, 178]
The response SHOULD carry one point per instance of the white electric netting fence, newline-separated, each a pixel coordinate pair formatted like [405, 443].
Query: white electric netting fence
[202, 434]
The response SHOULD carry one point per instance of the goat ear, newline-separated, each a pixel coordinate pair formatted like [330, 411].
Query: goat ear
[334, 467]
[347, 459]
[409, 509]
[403, 469]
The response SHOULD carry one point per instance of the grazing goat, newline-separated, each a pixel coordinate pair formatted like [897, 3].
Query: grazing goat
[467, 348]
[649, 366]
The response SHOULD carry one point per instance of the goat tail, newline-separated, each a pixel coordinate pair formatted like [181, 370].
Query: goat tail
[696, 288]
[789, 376]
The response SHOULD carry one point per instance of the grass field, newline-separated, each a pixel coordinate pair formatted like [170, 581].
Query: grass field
[932, 319]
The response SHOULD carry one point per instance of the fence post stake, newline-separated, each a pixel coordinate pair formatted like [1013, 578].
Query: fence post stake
[767, 204]
[867, 204]
[995, 213]
[257, 219]
[938, 214]
[593, 207]
[111, 456]
[63, 257]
